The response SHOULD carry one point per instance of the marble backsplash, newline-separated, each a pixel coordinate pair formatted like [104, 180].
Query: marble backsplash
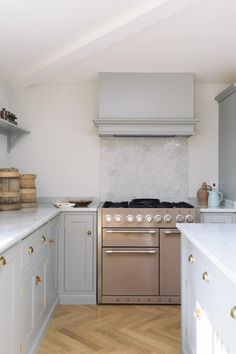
[144, 168]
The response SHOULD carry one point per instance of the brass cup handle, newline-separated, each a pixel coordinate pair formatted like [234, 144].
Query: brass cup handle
[197, 314]
[43, 239]
[51, 241]
[38, 280]
[89, 233]
[205, 277]
[30, 250]
[3, 261]
[191, 258]
[233, 313]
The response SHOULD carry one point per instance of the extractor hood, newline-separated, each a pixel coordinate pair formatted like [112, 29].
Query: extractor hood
[146, 104]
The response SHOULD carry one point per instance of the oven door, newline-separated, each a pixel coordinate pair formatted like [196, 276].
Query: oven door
[130, 271]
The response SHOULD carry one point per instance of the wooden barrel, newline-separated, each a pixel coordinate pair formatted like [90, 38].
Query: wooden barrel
[28, 195]
[9, 189]
[27, 181]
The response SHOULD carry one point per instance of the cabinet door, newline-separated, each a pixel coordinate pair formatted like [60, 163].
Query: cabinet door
[52, 281]
[41, 286]
[33, 306]
[27, 309]
[8, 301]
[79, 260]
[170, 262]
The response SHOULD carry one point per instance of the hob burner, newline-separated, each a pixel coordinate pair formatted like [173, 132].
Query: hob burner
[146, 203]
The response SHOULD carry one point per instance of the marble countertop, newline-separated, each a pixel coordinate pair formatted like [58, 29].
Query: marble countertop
[228, 206]
[16, 225]
[217, 242]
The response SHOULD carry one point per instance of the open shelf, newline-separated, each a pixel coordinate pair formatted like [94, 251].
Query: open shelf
[12, 131]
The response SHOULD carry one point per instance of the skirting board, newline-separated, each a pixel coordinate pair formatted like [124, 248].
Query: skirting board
[77, 299]
[43, 329]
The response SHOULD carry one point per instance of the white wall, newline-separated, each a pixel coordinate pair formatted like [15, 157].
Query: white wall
[203, 147]
[64, 150]
[5, 100]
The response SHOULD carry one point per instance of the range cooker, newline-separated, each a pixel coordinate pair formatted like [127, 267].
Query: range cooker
[139, 251]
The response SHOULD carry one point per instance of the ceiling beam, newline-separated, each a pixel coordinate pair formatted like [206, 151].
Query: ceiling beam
[151, 13]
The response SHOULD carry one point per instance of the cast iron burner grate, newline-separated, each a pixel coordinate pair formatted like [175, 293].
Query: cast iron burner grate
[108, 204]
[146, 203]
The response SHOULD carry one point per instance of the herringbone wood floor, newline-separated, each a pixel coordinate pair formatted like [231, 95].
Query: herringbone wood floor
[120, 329]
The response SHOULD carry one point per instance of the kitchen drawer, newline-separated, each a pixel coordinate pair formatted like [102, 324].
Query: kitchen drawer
[33, 244]
[221, 218]
[130, 238]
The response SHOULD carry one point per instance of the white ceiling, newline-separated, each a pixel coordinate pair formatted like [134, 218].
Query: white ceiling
[61, 41]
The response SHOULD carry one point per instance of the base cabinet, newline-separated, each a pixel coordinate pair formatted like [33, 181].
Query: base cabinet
[219, 218]
[33, 303]
[38, 286]
[78, 259]
[9, 324]
[207, 323]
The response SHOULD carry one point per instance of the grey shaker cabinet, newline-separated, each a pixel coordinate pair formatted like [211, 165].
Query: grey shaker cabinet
[38, 284]
[78, 273]
[219, 218]
[9, 281]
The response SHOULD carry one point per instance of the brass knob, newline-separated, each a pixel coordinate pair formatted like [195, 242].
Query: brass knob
[191, 258]
[205, 276]
[89, 233]
[51, 240]
[3, 262]
[38, 280]
[30, 250]
[197, 314]
[43, 239]
[233, 313]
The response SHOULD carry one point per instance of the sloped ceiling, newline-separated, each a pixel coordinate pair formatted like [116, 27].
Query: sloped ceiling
[61, 41]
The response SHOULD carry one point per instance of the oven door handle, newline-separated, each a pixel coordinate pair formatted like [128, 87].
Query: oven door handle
[131, 231]
[116, 251]
[172, 232]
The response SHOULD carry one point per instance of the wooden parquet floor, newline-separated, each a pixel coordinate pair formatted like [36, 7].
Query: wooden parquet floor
[120, 329]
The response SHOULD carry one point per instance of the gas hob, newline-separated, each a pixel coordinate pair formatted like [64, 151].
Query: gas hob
[146, 213]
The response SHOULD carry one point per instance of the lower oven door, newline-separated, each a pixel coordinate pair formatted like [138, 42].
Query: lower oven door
[130, 271]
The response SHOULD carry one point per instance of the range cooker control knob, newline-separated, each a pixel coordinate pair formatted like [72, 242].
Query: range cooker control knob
[167, 218]
[158, 218]
[179, 218]
[108, 218]
[130, 218]
[139, 218]
[148, 218]
[189, 218]
[118, 218]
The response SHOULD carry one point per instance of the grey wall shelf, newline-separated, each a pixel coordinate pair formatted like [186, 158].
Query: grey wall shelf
[13, 133]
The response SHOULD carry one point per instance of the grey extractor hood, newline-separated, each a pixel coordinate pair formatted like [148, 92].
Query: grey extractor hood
[146, 104]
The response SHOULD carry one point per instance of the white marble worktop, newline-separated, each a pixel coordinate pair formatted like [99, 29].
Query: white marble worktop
[228, 206]
[16, 225]
[217, 242]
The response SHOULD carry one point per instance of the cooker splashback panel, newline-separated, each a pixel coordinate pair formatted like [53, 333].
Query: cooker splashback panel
[144, 168]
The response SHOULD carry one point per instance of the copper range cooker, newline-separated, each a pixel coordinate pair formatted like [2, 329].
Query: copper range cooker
[139, 251]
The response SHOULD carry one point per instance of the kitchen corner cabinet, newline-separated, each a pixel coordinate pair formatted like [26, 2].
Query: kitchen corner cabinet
[78, 259]
[208, 324]
[9, 282]
[219, 218]
[38, 285]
